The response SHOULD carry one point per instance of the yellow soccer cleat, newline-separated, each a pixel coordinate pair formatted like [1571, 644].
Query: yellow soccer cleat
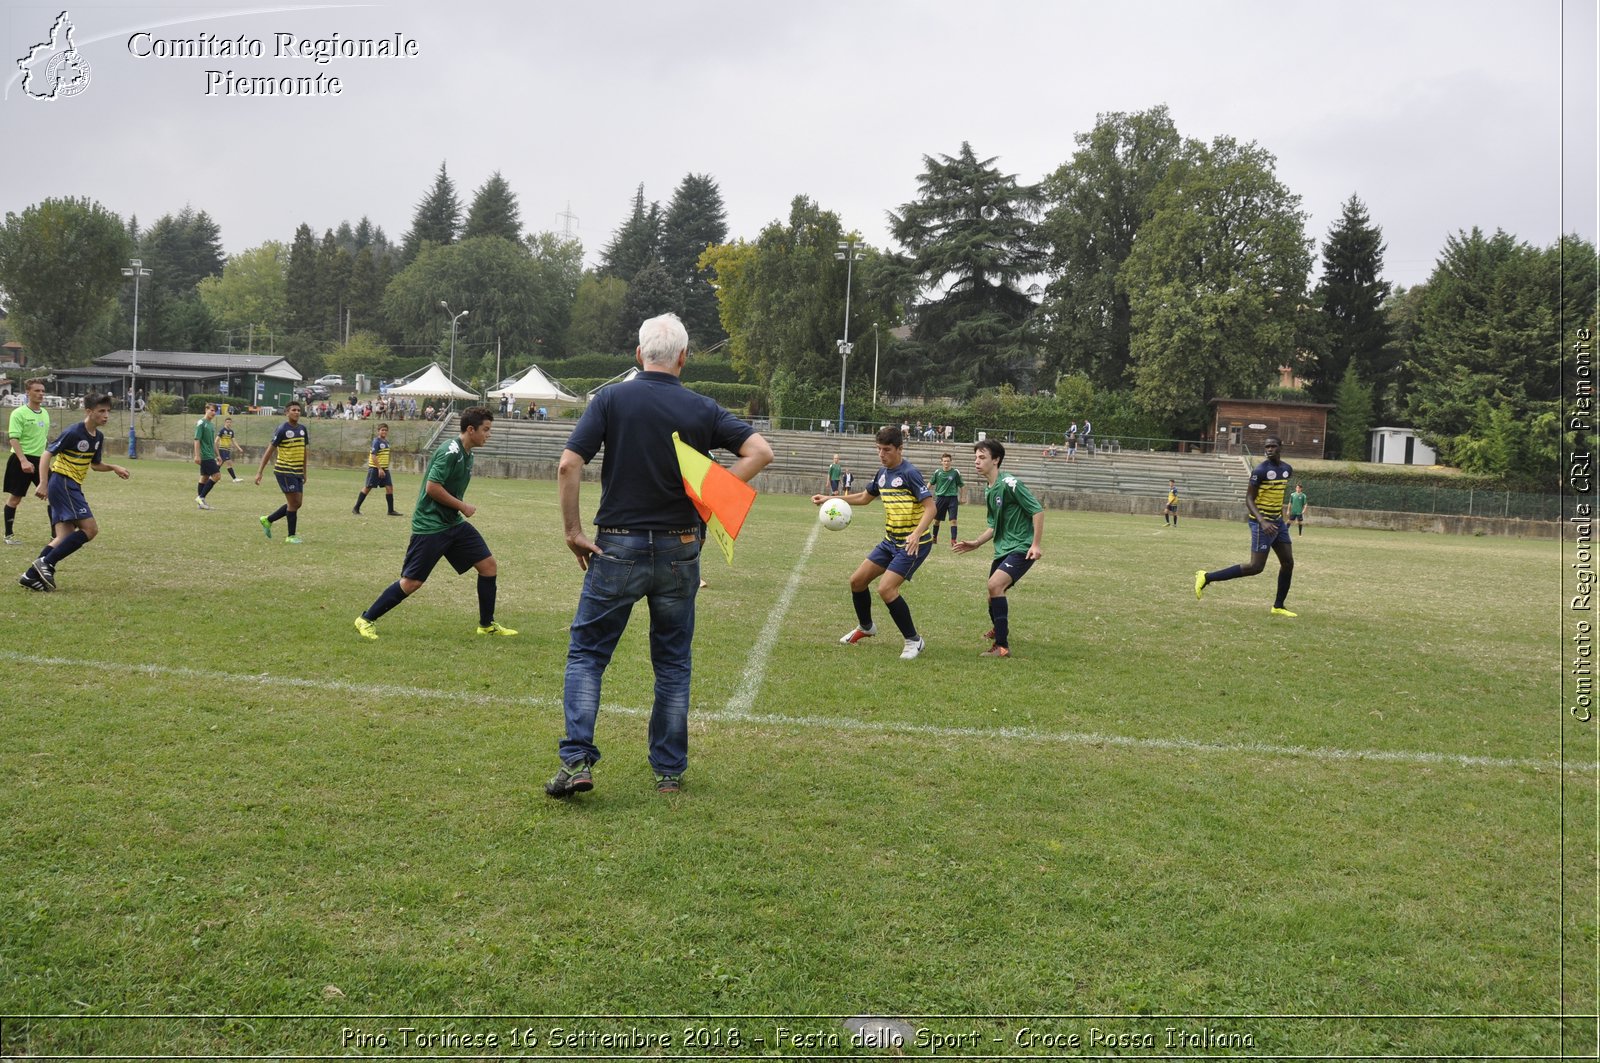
[495, 627]
[368, 629]
[1199, 583]
[1278, 610]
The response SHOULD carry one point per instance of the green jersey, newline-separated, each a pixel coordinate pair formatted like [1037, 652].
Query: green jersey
[834, 470]
[1011, 508]
[31, 429]
[948, 483]
[1297, 503]
[205, 432]
[451, 468]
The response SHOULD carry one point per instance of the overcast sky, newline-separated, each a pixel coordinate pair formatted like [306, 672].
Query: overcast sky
[1440, 114]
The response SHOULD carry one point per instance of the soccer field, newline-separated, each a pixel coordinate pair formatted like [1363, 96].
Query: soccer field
[1334, 835]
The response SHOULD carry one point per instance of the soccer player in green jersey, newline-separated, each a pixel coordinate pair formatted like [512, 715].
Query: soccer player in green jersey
[1016, 524]
[1267, 513]
[1297, 509]
[205, 455]
[439, 530]
[947, 485]
[27, 434]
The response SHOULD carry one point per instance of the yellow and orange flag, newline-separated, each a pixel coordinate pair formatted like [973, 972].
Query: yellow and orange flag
[722, 499]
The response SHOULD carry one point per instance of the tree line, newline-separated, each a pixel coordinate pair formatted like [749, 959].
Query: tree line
[1145, 276]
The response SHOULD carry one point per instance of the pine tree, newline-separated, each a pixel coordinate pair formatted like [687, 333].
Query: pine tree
[334, 266]
[1350, 299]
[437, 219]
[971, 232]
[300, 283]
[650, 293]
[1352, 418]
[636, 243]
[695, 220]
[494, 211]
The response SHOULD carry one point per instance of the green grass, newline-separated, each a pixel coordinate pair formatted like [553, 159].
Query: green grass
[219, 799]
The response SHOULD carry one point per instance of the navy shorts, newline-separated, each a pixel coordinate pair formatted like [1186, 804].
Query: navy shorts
[890, 555]
[66, 500]
[946, 504]
[1016, 565]
[291, 483]
[460, 545]
[225, 456]
[1260, 544]
[209, 467]
[378, 478]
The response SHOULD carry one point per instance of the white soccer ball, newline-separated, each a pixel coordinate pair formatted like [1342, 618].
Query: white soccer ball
[835, 514]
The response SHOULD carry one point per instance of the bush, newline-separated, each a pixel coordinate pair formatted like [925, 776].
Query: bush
[197, 403]
[163, 402]
[735, 397]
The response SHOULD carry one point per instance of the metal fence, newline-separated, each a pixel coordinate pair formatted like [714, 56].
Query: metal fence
[1435, 499]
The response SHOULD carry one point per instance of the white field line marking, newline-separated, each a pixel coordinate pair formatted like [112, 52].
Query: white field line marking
[755, 669]
[1326, 754]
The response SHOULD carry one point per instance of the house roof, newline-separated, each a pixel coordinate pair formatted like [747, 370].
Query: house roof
[1277, 402]
[262, 364]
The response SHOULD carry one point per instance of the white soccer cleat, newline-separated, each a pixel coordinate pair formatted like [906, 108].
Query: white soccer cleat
[914, 647]
[856, 634]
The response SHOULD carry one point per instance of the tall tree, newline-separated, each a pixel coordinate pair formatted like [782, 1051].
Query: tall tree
[250, 292]
[364, 292]
[1100, 200]
[494, 211]
[596, 314]
[1214, 282]
[695, 220]
[437, 219]
[60, 270]
[180, 251]
[1350, 299]
[300, 286]
[972, 234]
[334, 266]
[651, 292]
[636, 243]
[1483, 350]
[1351, 425]
[558, 260]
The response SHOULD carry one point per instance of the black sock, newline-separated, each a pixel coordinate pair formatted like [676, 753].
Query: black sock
[360, 498]
[862, 600]
[952, 532]
[278, 514]
[486, 590]
[1000, 616]
[68, 546]
[11, 520]
[1285, 577]
[206, 486]
[900, 613]
[392, 596]
[389, 498]
[294, 518]
[1231, 572]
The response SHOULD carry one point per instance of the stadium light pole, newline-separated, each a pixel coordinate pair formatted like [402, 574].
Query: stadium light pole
[874, 370]
[135, 269]
[453, 321]
[850, 253]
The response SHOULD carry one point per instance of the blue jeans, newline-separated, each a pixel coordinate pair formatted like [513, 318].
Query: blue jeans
[665, 570]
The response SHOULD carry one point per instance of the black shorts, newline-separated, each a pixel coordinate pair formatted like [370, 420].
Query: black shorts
[946, 505]
[19, 483]
[461, 545]
[378, 478]
[209, 467]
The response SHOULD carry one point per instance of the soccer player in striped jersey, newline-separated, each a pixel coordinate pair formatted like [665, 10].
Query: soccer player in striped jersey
[74, 453]
[378, 472]
[226, 445]
[288, 446]
[907, 541]
[1016, 524]
[1267, 509]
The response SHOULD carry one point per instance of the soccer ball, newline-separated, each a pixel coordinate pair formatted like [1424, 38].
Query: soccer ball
[835, 514]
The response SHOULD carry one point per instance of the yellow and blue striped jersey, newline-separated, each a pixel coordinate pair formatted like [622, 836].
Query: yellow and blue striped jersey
[378, 458]
[225, 439]
[902, 490]
[75, 451]
[291, 443]
[1272, 480]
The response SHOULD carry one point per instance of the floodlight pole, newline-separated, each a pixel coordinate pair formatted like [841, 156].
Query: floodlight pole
[850, 253]
[453, 321]
[135, 269]
[874, 370]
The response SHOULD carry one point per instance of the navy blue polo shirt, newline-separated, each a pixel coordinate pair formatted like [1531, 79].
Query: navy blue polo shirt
[641, 488]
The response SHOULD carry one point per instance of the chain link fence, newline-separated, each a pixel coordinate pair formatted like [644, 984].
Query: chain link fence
[1434, 499]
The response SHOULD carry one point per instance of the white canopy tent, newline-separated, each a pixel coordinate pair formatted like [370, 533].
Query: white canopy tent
[533, 386]
[431, 383]
[621, 378]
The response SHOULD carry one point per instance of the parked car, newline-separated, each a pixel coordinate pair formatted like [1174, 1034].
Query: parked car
[312, 393]
[332, 380]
